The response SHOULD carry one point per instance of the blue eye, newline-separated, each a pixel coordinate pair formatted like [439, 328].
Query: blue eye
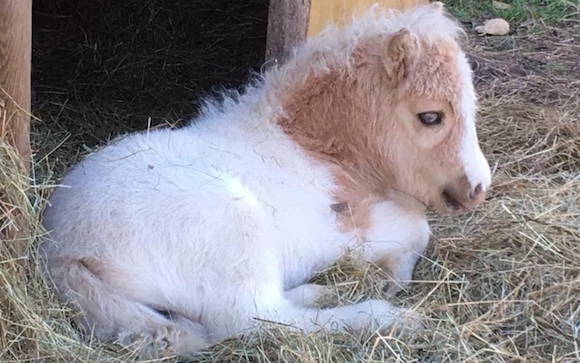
[430, 118]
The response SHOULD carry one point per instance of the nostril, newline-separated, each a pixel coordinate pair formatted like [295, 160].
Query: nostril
[478, 189]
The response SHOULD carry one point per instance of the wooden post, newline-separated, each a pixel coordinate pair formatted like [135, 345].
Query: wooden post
[290, 22]
[15, 69]
[287, 27]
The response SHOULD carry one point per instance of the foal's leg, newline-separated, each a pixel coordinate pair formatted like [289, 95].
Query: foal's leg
[398, 265]
[307, 295]
[397, 261]
[369, 315]
[253, 291]
[396, 242]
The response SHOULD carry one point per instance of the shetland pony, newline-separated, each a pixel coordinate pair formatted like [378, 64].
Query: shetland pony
[185, 237]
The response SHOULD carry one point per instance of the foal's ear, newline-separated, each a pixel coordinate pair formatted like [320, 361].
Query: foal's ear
[400, 54]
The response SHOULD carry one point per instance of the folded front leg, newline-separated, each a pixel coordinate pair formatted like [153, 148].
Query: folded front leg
[395, 242]
[307, 295]
[371, 315]
[398, 266]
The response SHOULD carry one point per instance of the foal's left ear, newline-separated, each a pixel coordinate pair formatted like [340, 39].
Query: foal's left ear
[400, 54]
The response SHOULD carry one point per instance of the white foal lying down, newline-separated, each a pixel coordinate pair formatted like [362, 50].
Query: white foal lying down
[186, 236]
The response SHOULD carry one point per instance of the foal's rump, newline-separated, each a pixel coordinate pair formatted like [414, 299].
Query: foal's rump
[142, 244]
[127, 240]
[108, 314]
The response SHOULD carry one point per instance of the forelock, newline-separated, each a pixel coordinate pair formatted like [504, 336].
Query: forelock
[335, 45]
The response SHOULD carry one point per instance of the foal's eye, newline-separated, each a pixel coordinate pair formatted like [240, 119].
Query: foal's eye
[430, 118]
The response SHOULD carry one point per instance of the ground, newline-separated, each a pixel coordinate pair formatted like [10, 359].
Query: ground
[500, 284]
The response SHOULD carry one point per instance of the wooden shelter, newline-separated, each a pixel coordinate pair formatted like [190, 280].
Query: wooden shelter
[290, 22]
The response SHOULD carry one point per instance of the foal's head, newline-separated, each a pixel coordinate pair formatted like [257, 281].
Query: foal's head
[430, 133]
[397, 114]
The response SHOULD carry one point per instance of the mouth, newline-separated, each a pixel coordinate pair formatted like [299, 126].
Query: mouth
[452, 203]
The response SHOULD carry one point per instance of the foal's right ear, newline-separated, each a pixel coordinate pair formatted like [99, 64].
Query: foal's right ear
[400, 54]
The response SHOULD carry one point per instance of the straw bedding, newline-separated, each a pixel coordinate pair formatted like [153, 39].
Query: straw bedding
[501, 284]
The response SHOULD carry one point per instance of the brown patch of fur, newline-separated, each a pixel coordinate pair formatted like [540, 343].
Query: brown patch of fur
[364, 123]
[356, 215]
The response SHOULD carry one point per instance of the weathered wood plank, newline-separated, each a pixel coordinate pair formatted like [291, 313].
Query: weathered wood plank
[287, 27]
[291, 22]
[15, 68]
[338, 11]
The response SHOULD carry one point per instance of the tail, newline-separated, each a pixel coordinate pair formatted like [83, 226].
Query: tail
[107, 315]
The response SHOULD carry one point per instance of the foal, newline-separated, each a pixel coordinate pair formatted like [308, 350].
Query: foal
[186, 236]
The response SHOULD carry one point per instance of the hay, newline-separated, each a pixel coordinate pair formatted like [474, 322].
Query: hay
[501, 284]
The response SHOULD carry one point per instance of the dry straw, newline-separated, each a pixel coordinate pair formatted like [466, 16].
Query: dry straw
[501, 284]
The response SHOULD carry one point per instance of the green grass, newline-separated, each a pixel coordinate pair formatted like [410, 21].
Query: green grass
[550, 11]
